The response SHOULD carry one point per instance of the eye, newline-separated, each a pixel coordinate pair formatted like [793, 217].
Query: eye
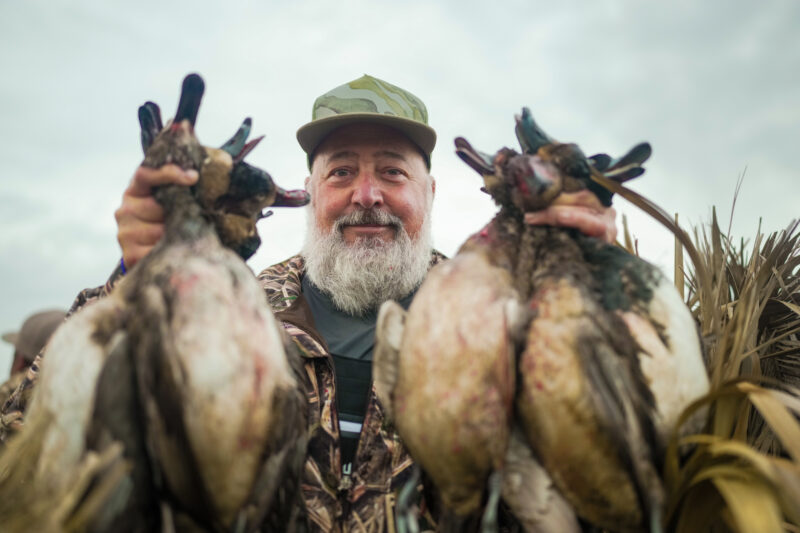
[341, 173]
[394, 174]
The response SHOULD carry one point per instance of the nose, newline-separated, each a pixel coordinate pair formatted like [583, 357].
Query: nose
[367, 193]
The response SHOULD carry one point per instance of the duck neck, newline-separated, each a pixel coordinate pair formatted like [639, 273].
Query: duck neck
[533, 253]
[547, 253]
[184, 220]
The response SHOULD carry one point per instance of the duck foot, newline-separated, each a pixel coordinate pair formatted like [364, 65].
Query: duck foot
[406, 512]
[489, 522]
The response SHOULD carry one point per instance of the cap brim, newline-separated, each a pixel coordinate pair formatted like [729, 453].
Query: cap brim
[311, 135]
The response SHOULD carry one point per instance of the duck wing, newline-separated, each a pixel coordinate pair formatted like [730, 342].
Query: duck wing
[531, 494]
[388, 339]
[582, 409]
[666, 336]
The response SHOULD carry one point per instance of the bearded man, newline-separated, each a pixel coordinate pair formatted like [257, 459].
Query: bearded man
[368, 240]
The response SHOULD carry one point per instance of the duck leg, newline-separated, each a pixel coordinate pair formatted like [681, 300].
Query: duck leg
[405, 509]
[490, 512]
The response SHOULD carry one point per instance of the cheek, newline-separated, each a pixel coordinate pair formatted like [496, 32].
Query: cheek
[411, 208]
[328, 206]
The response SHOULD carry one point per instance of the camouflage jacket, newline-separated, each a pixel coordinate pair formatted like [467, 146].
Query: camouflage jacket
[362, 500]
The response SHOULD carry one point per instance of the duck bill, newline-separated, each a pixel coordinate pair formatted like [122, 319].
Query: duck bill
[294, 198]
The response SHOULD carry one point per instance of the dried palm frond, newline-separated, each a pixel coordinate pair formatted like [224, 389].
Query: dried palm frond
[726, 484]
[630, 244]
[749, 314]
[745, 305]
[29, 503]
[742, 473]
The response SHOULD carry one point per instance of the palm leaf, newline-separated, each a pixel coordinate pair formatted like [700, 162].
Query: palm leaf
[29, 503]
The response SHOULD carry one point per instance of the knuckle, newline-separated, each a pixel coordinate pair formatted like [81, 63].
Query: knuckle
[125, 211]
[142, 175]
[123, 235]
[152, 233]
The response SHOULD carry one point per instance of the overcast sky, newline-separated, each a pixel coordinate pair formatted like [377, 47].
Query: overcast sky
[713, 85]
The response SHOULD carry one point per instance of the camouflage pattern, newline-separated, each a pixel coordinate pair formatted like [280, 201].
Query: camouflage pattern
[368, 99]
[12, 383]
[370, 95]
[362, 501]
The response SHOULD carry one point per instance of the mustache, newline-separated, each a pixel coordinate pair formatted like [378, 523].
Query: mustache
[368, 216]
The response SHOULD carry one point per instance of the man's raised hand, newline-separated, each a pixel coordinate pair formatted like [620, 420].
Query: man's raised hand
[140, 219]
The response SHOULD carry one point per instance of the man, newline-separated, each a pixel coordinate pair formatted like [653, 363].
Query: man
[368, 240]
[28, 342]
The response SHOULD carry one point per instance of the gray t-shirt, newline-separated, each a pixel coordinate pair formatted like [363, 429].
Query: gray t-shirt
[350, 340]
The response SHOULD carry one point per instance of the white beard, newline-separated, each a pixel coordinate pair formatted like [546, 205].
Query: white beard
[360, 276]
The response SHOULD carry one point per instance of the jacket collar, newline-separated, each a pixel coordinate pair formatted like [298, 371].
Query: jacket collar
[282, 284]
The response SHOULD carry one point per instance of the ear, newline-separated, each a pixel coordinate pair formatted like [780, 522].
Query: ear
[306, 182]
[433, 185]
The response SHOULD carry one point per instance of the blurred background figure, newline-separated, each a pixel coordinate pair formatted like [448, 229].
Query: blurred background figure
[28, 342]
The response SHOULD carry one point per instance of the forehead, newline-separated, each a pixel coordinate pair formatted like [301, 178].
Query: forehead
[363, 139]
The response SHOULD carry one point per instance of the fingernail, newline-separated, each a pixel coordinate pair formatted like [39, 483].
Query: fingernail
[191, 175]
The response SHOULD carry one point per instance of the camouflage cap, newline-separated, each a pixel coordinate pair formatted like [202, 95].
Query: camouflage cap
[368, 99]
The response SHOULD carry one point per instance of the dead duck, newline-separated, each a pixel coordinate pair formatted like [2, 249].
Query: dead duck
[590, 329]
[184, 364]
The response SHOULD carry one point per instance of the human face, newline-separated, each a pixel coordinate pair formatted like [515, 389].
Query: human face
[369, 166]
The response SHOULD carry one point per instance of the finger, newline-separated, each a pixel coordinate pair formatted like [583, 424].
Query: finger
[583, 198]
[142, 234]
[133, 209]
[146, 178]
[133, 254]
[586, 220]
[611, 225]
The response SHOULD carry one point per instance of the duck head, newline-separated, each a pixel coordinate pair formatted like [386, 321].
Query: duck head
[232, 194]
[532, 180]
